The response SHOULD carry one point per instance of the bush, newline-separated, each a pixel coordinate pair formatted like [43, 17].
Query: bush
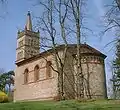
[3, 97]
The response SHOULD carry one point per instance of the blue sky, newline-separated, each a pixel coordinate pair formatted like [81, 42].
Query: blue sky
[14, 13]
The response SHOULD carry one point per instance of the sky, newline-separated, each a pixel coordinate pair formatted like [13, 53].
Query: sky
[14, 17]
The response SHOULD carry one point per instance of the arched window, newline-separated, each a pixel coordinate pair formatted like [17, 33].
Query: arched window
[36, 73]
[26, 75]
[48, 69]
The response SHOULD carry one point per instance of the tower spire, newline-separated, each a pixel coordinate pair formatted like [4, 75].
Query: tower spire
[29, 22]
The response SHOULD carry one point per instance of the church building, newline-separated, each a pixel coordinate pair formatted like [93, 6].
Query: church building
[35, 78]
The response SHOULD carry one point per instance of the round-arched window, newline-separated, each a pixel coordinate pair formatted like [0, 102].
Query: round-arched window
[36, 73]
[48, 69]
[26, 75]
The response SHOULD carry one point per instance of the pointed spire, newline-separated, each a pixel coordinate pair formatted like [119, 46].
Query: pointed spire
[25, 28]
[29, 22]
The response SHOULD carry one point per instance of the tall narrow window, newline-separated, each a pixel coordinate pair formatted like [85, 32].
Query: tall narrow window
[26, 74]
[18, 55]
[32, 53]
[36, 73]
[48, 69]
[32, 42]
[29, 42]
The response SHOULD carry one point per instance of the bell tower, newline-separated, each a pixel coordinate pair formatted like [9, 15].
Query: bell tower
[28, 43]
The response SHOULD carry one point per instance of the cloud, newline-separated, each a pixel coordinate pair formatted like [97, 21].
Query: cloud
[100, 7]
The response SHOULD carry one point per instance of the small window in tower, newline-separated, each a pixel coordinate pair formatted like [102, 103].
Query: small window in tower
[21, 53]
[29, 41]
[37, 42]
[31, 52]
[48, 69]
[22, 43]
[26, 75]
[36, 73]
[34, 43]
[19, 44]
[18, 55]
[28, 53]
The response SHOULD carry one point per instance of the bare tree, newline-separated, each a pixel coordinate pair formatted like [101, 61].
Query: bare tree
[112, 19]
[62, 12]
[76, 9]
[118, 3]
[49, 28]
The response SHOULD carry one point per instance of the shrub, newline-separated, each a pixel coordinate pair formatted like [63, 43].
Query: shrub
[57, 98]
[3, 97]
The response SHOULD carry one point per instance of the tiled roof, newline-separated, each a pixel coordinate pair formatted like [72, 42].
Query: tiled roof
[85, 49]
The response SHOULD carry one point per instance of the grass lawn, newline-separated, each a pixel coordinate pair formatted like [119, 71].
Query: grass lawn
[63, 105]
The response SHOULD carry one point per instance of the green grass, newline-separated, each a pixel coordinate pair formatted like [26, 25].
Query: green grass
[63, 105]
